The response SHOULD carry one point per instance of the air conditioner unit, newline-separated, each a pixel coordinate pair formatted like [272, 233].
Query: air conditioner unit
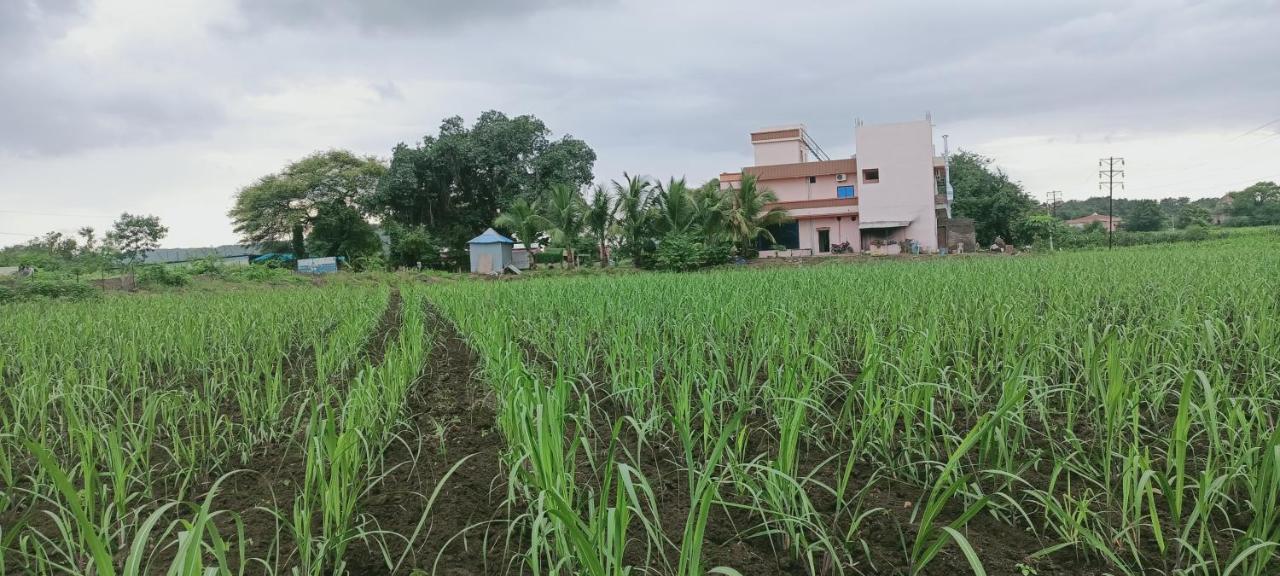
[842, 177]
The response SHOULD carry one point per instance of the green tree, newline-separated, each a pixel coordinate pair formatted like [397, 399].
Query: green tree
[600, 220]
[1193, 215]
[564, 209]
[456, 181]
[987, 195]
[634, 214]
[132, 236]
[338, 229]
[675, 211]
[1257, 205]
[1145, 216]
[1041, 229]
[712, 207]
[746, 215]
[412, 245]
[523, 220]
[285, 206]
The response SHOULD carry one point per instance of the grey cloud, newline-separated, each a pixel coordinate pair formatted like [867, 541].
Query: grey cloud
[22, 22]
[393, 15]
[54, 104]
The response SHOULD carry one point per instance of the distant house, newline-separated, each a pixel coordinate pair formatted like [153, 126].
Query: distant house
[1222, 209]
[522, 256]
[893, 190]
[1107, 222]
[229, 254]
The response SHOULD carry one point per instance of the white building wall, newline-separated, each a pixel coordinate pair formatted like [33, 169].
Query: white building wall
[903, 153]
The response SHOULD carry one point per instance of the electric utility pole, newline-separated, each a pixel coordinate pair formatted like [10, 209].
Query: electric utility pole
[1052, 198]
[1111, 173]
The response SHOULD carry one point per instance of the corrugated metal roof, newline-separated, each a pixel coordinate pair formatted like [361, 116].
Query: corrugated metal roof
[172, 255]
[491, 236]
[804, 169]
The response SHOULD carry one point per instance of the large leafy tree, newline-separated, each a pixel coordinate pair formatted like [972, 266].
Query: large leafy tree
[339, 229]
[1145, 216]
[985, 193]
[600, 220]
[565, 212]
[523, 220]
[1193, 215]
[133, 235]
[455, 182]
[1256, 205]
[284, 206]
[746, 215]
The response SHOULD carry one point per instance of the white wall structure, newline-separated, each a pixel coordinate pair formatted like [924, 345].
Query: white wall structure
[902, 199]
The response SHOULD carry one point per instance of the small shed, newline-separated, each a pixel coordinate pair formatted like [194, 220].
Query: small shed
[490, 252]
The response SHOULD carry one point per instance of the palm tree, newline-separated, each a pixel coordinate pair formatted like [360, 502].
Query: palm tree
[676, 212]
[632, 208]
[524, 221]
[746, 216]
[564, 208]
[600, 219]
[712, 207]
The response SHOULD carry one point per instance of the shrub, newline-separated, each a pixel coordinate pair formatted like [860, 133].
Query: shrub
[413, 244]
[46, 285]
[160, 275]
[209, 266]
[717, 253]
[549, 256]
[679, 253]
[262, 273]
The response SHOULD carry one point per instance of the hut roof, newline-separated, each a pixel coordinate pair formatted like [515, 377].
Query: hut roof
[490, 236]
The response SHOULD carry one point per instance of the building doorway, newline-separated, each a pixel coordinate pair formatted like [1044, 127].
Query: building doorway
[824, 240]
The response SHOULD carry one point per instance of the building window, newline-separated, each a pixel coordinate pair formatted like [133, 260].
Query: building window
[870, 175]
[845, 192]
[813, 179]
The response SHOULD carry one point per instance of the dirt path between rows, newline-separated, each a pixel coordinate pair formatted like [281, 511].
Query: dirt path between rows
[466, 529]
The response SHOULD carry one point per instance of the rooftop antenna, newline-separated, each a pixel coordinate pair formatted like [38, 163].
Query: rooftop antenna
[928, 117]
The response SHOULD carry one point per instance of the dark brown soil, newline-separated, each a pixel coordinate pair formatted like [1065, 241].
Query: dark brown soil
[466, 529]
[271, 477]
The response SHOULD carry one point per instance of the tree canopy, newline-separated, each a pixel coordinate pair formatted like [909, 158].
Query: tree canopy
[1122, 207]
[1257, 205]
[1145, 216]
[455, 182]
[283, 207]
[985, 193]
[132, 236]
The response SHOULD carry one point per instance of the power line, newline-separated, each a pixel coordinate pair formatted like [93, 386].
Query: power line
[1110, 173]
[29, 213]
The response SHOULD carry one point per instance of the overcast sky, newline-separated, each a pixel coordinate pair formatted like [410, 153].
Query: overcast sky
[169, 106]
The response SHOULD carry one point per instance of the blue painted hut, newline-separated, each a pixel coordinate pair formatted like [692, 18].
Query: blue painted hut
[490, 252]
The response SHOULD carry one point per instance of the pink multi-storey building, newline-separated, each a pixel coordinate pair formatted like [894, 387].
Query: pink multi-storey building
[891, 191]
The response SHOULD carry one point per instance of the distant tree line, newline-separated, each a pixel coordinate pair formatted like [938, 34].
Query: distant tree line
[506, 172]
[1000, 207]
[131, 236]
